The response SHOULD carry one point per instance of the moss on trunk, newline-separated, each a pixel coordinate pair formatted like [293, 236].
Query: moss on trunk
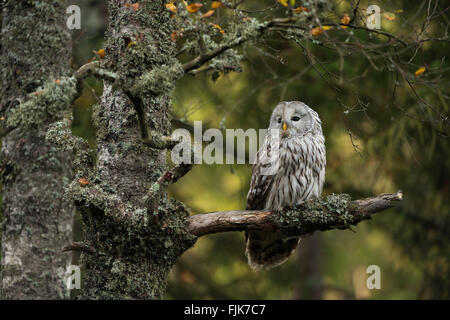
[37, 220]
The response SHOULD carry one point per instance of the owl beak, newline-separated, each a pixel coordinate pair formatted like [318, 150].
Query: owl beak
[284, 126]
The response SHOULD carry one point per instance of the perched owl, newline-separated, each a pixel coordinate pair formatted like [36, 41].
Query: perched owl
[289, 169]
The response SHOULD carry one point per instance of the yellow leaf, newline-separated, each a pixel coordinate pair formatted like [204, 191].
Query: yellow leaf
[327, 28]
[316, 31]
[216, 4]
[131, 43]
[171, 7]
[399, 11]
[419, 71]
[193, 7]
[283, 2]
[219, 28]
[292, 2]
[208, 14]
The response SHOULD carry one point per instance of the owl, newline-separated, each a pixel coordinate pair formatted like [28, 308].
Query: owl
[289, 169]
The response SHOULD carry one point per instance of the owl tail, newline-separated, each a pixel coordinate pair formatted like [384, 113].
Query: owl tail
[268, 250]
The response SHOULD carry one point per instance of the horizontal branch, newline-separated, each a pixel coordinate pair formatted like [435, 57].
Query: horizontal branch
[93, 69]
[331, 212]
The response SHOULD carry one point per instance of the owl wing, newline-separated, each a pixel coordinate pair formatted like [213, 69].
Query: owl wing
[260, 184]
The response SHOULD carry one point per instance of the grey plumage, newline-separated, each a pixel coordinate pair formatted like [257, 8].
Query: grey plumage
[289, 169]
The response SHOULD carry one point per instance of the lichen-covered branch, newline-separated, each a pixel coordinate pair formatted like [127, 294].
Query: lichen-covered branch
[151, 138]
[93, 69]
[60, 134]
[159, 188]
[331, 212]
[47, 102]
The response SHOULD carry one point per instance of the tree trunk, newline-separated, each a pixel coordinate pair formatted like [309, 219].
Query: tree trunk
[37, 220]
[309, 275]
[134, 235]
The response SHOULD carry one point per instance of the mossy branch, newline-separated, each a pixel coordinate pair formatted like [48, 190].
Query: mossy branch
[159, 188]
[93, 69]
[151, 138]
[331, 212]
[55, 96]
[46, 103]
[60, 134]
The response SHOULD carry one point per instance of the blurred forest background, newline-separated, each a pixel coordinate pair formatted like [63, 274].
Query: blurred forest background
[378, 139]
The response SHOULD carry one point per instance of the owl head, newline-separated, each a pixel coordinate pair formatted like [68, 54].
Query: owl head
[294, 118]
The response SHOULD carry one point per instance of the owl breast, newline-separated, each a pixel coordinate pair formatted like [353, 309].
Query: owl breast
[301, 171]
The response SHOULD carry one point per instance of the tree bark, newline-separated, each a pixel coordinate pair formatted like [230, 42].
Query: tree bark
[37, 220]
[135, 234]
[332, 212]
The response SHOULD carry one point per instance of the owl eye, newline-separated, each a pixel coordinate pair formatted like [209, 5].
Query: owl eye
[279, 120]
[295, 118]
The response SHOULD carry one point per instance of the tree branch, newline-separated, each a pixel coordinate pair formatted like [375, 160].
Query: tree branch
[150, 137]
[93, 68]
[207, 56]
[331, 212]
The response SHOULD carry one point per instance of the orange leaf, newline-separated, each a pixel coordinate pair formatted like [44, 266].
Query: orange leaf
[83, 182]
[390, 16]
[316, 31]
[193, 7]
[134, 6]
[419, 71]
[174, 36]
[208, 14]
[171, 7]
[57, 81]
[216, 4]
[345, 20]
[101, 53]
[300, 9]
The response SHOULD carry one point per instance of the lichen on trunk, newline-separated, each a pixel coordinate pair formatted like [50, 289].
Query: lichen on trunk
[135, 241]
[37, 219]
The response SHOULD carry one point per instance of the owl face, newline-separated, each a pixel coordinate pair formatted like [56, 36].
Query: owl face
[293, 118]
